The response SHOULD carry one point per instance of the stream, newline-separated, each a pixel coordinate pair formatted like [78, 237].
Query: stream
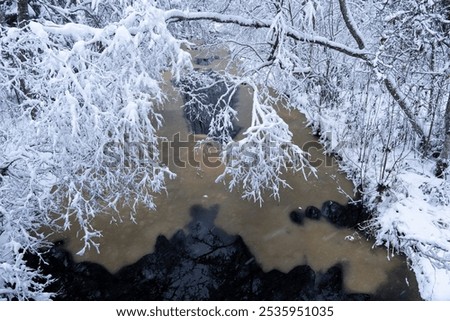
[197, 206]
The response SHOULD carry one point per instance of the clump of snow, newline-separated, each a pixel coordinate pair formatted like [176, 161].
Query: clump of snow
[38, 30]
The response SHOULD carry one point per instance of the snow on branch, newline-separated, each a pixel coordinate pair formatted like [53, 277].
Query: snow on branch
[80, 118]
[361, 53]
[402, 102]
[177, 15]
[257, 162]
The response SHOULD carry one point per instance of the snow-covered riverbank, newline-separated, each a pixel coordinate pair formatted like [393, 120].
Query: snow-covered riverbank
[411, 205]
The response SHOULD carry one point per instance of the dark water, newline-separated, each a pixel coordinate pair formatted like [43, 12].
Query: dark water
[203, 262]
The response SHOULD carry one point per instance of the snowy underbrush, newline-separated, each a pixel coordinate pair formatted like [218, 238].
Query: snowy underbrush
[411, 205]
[415, 218]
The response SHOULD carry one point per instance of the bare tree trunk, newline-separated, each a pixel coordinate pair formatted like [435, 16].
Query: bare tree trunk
[22, 13]
[442, 163]
[446, 148]
[388, 81]
[2, 15]
[348, 19]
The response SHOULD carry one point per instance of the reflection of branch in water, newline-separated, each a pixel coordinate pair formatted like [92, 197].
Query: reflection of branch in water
[216, 248]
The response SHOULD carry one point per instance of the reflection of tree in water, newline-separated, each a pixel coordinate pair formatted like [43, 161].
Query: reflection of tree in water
[202, 263]
[210, 99]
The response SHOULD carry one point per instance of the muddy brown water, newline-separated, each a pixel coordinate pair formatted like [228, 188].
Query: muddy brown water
[273, 239]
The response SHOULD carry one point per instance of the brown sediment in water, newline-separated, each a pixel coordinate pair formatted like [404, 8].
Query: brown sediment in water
[273, 239]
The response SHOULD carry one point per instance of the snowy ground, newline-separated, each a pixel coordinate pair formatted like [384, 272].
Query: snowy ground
[414, 220]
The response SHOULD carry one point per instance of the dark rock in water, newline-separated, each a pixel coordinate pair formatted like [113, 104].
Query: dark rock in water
[205, 96]
[344, 216]
[356, 214]
[334, 212]
[297, 216]
[313, 213]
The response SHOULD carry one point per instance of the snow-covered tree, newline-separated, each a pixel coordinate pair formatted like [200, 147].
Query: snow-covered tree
[74, 97]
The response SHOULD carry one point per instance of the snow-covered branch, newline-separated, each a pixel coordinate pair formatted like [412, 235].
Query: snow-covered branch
[177, 15]
[257, 162]
[361, 53]
[401, 100]
[80, 85]
[81, 127]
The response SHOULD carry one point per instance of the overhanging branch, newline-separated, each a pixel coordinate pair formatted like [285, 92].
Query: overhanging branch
[177, 15]
[360, 53]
